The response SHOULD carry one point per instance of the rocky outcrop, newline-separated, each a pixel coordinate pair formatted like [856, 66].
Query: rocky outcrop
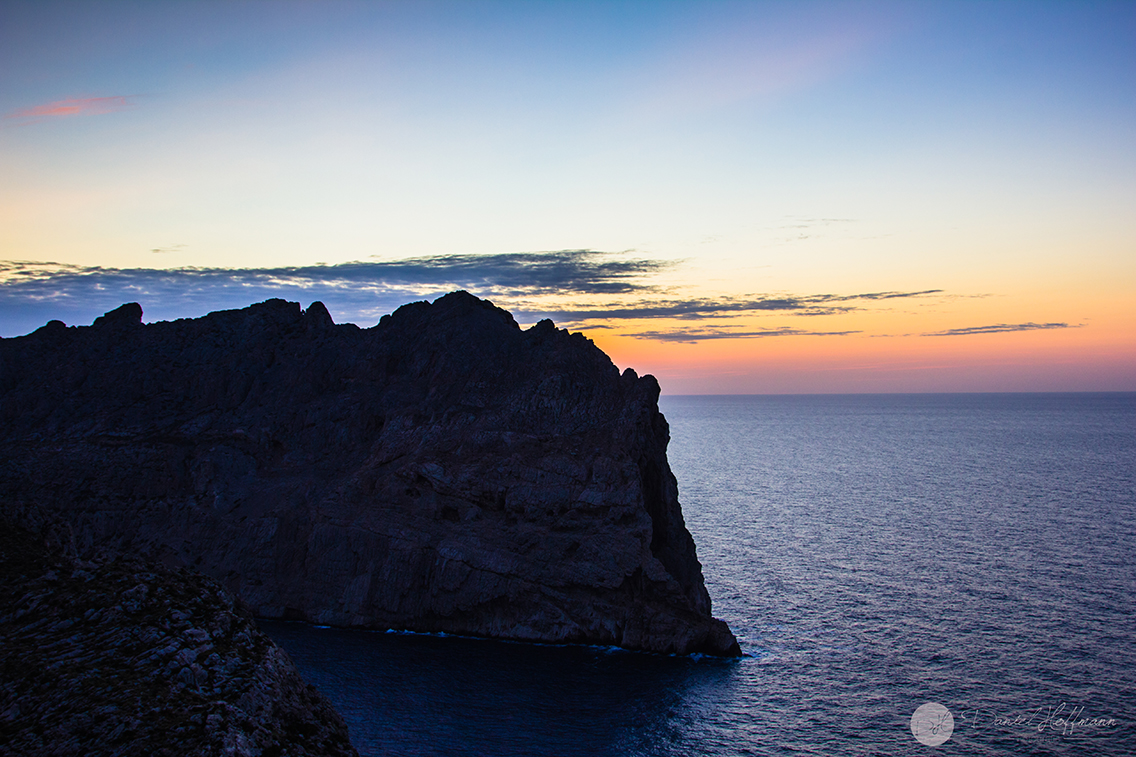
[119, 656]
[442, 471]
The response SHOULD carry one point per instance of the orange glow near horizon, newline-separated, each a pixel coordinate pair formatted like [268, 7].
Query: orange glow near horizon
[1017, 362]
[1044, 339]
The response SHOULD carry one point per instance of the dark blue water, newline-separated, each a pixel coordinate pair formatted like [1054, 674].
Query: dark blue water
[872, 553]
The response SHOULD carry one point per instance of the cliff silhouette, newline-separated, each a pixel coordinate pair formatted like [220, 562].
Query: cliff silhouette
[444, 470]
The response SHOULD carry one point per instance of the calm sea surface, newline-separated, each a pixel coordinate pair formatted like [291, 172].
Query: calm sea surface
[872, 554]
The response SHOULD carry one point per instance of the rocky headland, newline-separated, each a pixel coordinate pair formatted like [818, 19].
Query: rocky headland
[444, 470]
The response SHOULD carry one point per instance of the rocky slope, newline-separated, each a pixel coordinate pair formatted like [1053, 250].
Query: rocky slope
[442, 471]
[118, 656]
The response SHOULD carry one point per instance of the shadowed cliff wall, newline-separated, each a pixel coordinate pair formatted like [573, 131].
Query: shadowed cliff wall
[442, 471]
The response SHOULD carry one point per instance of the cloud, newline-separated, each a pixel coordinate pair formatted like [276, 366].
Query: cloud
[86, 106]
[798, 229]
[1002, 328]
[698, 308]
[31, 293]
[693, 335]
[533, 285]
[520, 273]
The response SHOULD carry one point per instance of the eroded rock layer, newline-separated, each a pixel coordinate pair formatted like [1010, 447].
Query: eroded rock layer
[442, 471]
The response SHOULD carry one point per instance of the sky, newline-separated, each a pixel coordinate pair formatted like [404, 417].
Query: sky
[739, 198]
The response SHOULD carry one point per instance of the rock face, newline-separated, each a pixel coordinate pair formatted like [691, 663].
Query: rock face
[118, 656]
[442, 471]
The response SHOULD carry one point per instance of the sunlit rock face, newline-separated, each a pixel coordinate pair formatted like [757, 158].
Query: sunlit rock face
[442, 471]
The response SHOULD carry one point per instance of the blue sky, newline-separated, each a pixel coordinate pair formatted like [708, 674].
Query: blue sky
[724, 153]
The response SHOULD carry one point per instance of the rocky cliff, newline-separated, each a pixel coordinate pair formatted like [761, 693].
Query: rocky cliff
[121, 657]
[442, 471]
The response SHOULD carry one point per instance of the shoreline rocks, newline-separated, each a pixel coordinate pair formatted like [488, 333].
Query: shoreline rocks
[115, 655]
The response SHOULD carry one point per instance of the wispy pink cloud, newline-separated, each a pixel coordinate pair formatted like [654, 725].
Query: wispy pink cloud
[85, 106]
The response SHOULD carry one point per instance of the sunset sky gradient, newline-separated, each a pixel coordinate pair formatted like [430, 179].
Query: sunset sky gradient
[751, 197]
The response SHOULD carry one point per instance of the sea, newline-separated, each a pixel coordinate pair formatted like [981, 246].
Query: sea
[929, 574]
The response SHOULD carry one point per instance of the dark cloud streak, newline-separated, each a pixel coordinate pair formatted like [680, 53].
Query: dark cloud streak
[698, 335]
[1001, 328]
[523, 273]
[816, 304]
